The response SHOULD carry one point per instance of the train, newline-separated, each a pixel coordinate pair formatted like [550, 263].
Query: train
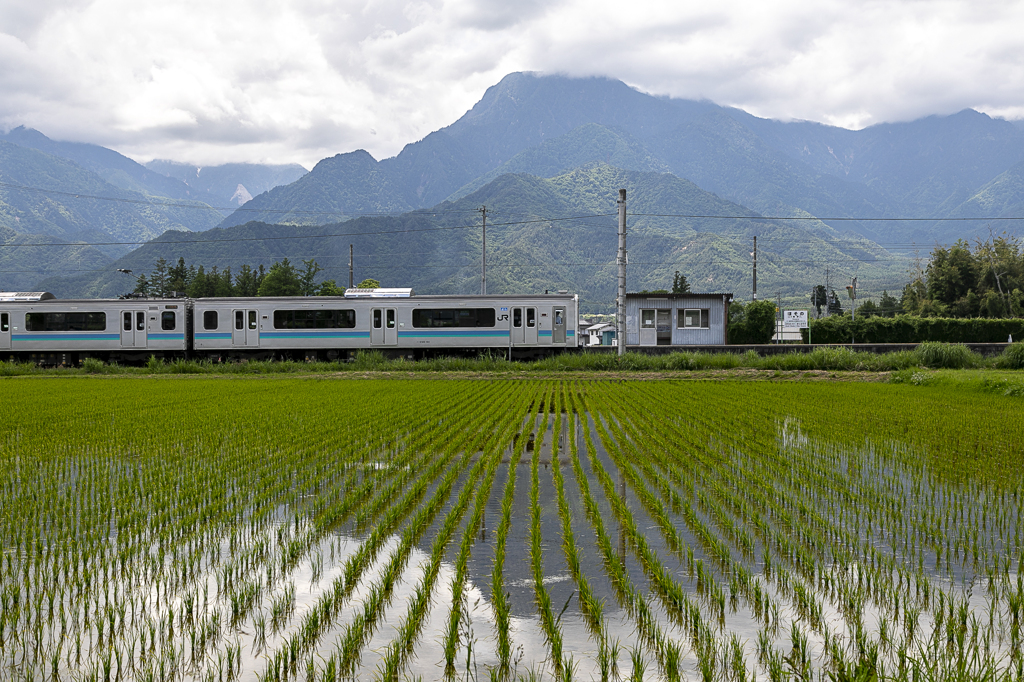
[38, 327]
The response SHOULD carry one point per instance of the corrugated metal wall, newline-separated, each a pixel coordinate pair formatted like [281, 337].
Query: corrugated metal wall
[715, 303]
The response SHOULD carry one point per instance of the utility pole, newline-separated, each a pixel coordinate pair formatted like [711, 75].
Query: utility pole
[351, 278]
[828, 293]
[483, 255]
[852, 289]
[620, 313]
[755, 268]
[778, 317]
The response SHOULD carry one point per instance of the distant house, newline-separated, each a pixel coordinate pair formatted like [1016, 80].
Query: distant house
[677, 319]
[602, 334]
[581, 331]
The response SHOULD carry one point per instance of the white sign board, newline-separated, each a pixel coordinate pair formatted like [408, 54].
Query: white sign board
[794, 319]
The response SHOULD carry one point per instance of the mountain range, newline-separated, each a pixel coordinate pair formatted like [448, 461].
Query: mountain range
[936, 167]
[541, 152]
[68, 207]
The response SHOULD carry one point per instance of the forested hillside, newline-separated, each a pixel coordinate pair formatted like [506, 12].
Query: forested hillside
[543, 234]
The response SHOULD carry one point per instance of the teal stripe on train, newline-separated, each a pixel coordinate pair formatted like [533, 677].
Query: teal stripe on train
[307, 334]
[63, 336]
[455, 334]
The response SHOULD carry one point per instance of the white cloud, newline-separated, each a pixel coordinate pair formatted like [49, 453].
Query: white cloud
[296, 81]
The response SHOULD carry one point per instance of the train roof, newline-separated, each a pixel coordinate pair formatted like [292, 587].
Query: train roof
[50, 299]
[418, 297]
[26, 296]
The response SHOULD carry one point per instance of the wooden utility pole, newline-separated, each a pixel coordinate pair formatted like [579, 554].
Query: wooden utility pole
[483, 255]
[755, 268]
[351, 279]
[620, 313]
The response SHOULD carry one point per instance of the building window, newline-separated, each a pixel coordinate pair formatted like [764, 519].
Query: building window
[210, 319]
[167, 321]
[453, 317]
[67, 322]
[694, 318]
[314, 319]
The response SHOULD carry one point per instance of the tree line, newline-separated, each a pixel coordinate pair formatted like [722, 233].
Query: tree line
[282, 279]
[985, 279]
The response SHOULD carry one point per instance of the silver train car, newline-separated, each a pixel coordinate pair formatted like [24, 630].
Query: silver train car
[41, 328]
[414, 326]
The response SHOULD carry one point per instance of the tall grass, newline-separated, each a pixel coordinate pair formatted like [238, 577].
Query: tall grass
[831, 358]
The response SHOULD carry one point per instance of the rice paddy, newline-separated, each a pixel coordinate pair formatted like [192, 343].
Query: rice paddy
[577, 529]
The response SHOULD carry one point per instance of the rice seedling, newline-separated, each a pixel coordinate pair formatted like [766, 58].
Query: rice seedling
[262, 528]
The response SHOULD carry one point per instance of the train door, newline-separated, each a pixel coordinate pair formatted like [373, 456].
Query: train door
[383, 327]
[558, 326]
[648, 327]
[5, 330]
[531, 326]
[133, 329]
[516, 332]
[390, 327]
[245, 328]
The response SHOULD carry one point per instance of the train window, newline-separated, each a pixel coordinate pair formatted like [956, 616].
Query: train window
[694, 319]
[5, 322]
[239, 319]
[252, 319]
[314, 319]
[453, 317]
[66, 322]
[376, 318]
[517, 317]
[531, 317]
[167, 321]
[127, 322]
[210, 319]
[391, 318]
[140, 321]
[558, 318]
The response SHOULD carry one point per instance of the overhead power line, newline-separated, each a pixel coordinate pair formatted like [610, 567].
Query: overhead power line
[823, 219]
[202, 205]
[199, 204]
[309, 236]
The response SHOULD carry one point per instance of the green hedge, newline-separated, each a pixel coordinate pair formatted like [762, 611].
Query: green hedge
[757, 325]
[910, 329]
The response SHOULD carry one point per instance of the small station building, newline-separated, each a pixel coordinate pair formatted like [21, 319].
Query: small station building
[677, 319]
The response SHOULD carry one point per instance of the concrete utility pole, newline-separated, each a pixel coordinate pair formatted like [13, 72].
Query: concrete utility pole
[351, 279]
[483, 255]
[620, 313]
[755, 268]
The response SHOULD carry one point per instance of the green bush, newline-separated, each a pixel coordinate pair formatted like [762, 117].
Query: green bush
[947, 355]
[92, 366]
[758, 325]
[1012, 357]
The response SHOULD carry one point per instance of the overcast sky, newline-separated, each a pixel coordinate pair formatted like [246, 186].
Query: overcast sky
[278, 81]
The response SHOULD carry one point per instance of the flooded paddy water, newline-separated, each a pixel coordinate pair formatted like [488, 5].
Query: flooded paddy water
[388, 530]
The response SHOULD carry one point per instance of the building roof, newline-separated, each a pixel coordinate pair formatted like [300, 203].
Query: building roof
[651, 294]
